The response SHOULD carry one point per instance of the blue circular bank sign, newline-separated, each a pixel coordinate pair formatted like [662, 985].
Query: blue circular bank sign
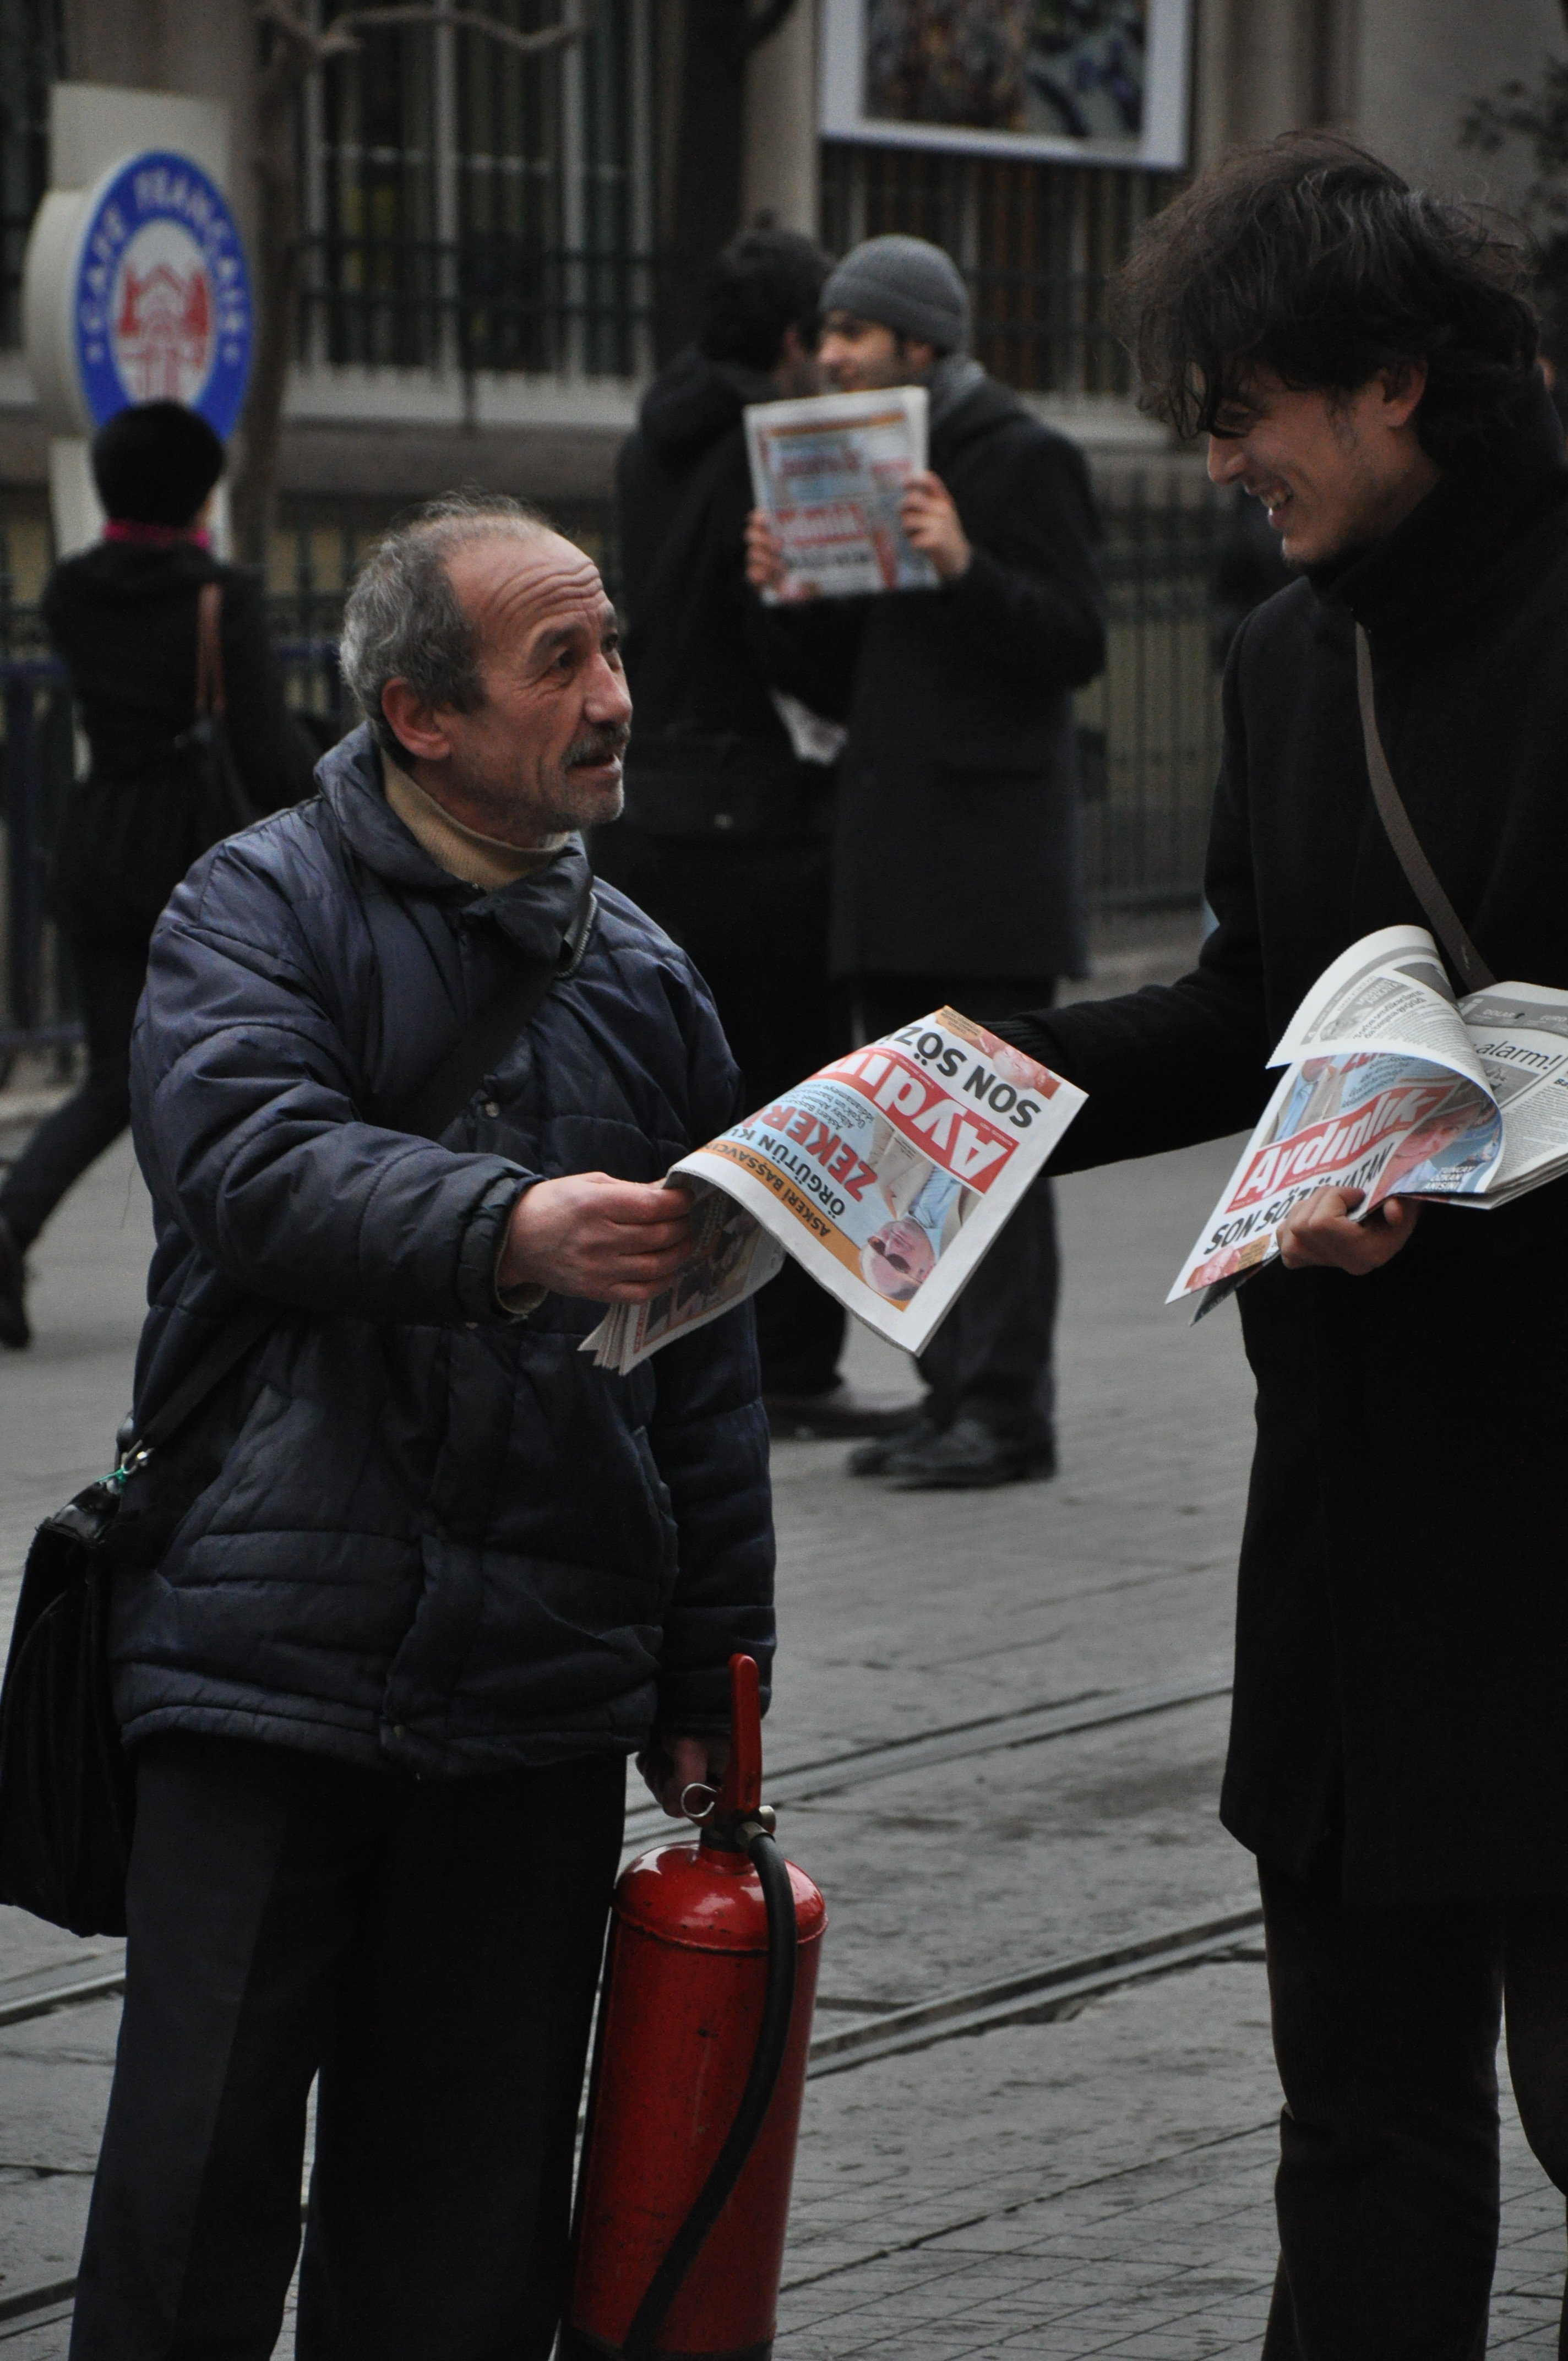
[160, 306]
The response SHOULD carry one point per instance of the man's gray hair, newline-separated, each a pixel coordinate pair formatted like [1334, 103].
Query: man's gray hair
[402, 620]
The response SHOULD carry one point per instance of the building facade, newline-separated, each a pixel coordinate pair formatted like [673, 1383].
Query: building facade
[482, 229]
[487, 245]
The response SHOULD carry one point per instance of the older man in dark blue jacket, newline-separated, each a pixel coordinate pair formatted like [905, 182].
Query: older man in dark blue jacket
[402, 1599]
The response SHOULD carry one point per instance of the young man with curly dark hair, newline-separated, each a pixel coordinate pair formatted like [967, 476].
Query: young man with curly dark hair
[1363, 359]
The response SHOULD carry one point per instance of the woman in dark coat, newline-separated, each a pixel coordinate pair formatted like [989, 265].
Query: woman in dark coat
[123, 617]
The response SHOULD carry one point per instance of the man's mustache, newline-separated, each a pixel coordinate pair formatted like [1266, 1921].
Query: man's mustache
[603, 746]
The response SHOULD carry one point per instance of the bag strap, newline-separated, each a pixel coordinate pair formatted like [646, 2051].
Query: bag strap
[210, 650]
[438, 1102]
[442, 1095]
[1420, 874]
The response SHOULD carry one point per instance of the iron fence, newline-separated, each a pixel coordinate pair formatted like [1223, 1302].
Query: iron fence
[1148, 734]
[1149, 727]
[492, 301]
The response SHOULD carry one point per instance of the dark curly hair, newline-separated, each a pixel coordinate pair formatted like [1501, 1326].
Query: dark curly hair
[764, 282]
[1313, 260]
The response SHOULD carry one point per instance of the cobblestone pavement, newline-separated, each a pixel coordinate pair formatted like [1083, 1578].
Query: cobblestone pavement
[1097, 2183]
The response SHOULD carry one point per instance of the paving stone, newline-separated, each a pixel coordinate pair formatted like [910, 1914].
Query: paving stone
[1098, 2184]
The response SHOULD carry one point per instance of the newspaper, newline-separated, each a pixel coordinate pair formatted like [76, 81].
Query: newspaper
[1393, 1088]
[887, 1175]
[830, 472]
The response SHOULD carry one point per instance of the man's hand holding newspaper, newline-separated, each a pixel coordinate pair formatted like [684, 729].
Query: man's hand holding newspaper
[844, 502]
[887, 1175]
[1392, 1091]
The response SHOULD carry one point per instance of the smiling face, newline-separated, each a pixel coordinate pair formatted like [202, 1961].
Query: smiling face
[541, 752]
[1335, 471]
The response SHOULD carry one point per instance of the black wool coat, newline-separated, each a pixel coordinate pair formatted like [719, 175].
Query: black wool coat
[959, 841]
[689, 664]
[710, 762]
[1402, 1624]
[411, 1531]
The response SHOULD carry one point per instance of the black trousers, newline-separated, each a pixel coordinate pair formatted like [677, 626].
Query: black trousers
[754, 918]
[1386, 2028]
[994, 1358]
[430, 1947]
[109, 978]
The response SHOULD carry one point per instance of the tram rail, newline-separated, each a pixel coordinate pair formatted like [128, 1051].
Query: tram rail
[1032, 1994]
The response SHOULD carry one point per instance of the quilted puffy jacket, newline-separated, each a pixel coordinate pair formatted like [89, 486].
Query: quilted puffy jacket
[410, 1529]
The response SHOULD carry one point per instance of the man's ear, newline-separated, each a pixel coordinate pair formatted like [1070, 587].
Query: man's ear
[417, 728]
[1403, 386]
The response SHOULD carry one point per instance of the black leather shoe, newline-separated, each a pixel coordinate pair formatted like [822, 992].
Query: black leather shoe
[13, 1328]
[970, 1455]
[834, 1416]
[881, 1457]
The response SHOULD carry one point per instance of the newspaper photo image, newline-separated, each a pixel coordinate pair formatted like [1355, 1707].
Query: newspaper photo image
[1392, 1087]
[887, 1175]
[829, 471]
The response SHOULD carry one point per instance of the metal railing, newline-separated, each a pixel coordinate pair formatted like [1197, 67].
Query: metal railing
[1149, 735]
[492, 301]
[1149, 727]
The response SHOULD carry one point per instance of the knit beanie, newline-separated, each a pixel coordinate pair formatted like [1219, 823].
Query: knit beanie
[904, 284]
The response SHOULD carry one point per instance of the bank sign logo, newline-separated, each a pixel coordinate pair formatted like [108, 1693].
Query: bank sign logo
[161, 304]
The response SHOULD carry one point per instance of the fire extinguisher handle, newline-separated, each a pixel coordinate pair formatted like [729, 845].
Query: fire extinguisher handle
[742, 1789]
[767, 2059]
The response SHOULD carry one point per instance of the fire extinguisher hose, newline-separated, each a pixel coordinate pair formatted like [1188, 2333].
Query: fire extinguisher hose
[772, 2036]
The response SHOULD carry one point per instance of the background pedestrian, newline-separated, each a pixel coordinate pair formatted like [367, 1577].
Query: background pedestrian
[122, 615]
[957, 868]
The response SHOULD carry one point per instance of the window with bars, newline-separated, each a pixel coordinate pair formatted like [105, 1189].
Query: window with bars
[30, 65]
[471, 208]
[1037, 242]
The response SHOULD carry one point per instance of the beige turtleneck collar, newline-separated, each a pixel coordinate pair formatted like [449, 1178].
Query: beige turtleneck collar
[461, 852]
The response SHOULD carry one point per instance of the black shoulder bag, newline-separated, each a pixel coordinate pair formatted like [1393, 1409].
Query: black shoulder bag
[67, 1789]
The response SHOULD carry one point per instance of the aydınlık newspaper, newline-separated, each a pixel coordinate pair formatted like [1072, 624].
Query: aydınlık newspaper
[1395, 1089]
[887, 1175]
[830, 471]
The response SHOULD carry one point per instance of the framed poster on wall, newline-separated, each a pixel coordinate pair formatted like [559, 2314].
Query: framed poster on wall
[1093, 81]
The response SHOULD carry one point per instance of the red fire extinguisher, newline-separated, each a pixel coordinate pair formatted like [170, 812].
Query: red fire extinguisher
[699, 2073]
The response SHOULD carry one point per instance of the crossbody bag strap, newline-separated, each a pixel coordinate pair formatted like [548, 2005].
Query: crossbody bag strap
[437, 1102]
[483, 1043]
[210, 650]
[1420, 875]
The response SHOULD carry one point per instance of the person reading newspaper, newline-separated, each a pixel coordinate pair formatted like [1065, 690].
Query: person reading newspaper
[957, 840]
[1361, 356]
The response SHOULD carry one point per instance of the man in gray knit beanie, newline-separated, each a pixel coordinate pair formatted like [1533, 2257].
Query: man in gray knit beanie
[904, 284]
[957, 867]
[896, 311]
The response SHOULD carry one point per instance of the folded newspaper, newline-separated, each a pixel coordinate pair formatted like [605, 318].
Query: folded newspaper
[887, 1175]
[830, 472]
[1393, 1088]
